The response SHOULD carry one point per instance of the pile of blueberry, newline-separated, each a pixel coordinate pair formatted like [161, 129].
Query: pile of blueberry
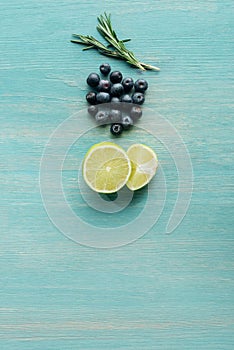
[115, 90]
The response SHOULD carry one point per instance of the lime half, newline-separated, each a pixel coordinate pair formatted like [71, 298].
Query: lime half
[106, 167]
[144, 163]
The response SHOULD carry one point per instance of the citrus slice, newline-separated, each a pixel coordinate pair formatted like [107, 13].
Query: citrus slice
[144, 164]
[106, 167]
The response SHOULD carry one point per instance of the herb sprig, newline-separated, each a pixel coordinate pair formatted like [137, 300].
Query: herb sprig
[116, 47]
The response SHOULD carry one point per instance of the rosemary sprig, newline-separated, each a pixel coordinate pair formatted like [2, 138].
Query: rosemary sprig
[116, 47]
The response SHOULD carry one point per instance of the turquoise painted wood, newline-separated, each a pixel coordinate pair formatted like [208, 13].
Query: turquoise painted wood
[161, 292]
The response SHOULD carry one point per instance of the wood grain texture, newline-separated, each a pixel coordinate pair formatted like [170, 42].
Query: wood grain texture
[162, 292]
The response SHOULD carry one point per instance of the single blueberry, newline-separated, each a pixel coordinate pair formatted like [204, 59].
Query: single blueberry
[115, 100]
[103, 97]
[138, 98]
[127, 84]
[141, 85]
[115, 116]
[116, 129]
[102, 117]
[91, 97]
[136, 113]
[127, 122]
[104, 86]
[92, 110]
[93, 79]
[126, 98]
[116, 77]
[105, 68]
[116, 90]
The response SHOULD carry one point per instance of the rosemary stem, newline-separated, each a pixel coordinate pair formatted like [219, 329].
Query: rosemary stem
[115, 48]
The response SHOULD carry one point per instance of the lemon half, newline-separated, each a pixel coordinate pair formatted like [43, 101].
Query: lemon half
[106, 167]
[144, 163]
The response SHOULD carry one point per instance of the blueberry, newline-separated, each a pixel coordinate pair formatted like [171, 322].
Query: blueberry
[102, 118]
[126, 98]
[117, 89]
[102, 97]
[91, 97]
[138, 98]
[115, 100]
[115, 116]
[136, 113]
[93, 79]
[92, 110]
[105, 68]
[127, 122]
[127, 84]
[116, 77]
[104, 85]
[141, 85]
[116, 129]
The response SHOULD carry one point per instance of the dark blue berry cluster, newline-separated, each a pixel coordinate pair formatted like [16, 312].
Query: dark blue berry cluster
[115, 90]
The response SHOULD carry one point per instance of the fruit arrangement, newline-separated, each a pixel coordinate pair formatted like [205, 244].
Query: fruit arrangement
[107, 167]
[124, 95]
[117, 101]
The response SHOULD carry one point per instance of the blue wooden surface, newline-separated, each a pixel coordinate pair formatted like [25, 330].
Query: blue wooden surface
[161, 292]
